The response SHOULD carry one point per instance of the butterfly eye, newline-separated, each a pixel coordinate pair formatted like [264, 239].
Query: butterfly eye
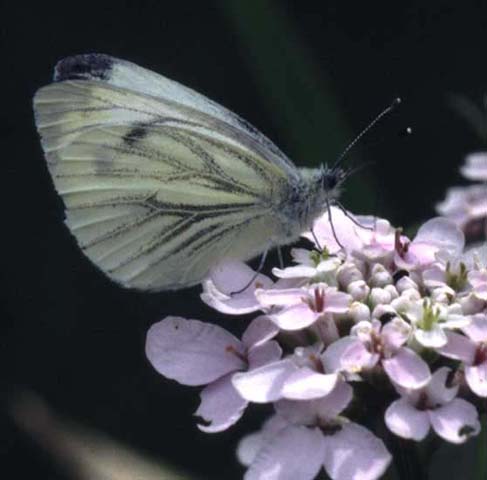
[331, 179]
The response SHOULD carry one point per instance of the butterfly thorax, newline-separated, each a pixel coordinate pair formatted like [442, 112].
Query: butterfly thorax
[306, 199]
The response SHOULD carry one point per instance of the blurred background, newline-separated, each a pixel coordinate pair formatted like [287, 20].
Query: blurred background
[310, 75]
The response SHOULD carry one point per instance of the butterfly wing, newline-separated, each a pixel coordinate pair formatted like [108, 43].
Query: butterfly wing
[159, 183]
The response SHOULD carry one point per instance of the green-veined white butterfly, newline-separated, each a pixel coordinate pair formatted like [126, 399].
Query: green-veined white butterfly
[161, 183]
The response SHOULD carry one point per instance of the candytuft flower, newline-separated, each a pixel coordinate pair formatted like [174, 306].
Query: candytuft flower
[383, 311]
[471, 348]
[467, 206]
[433, 406]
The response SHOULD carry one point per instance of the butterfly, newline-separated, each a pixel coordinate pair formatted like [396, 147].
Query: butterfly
[160, 183]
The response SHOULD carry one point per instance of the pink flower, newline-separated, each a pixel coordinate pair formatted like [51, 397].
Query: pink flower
[306, 436]
[372, 241]
[371, 344]
[435, 236]
[434, 405]
[362, 308]
[301, 307]
[432, 320]
[196, 353]
[467, 206]
[472, 350]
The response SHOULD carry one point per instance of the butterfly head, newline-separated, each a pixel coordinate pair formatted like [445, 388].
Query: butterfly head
[331, 180]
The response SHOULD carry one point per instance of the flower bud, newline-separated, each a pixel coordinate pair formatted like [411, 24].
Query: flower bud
[405, 283]
[443, 295]
[359, 290]
[359, 312]
[348, 273]
[392, 290]
[379, 296]
[411, 294]
[379, 276]
[383, 310]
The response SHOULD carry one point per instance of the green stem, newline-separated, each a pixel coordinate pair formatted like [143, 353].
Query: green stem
[407, 459]
[481, 464]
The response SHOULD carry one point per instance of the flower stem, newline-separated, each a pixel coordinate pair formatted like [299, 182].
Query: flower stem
[407, 459]
[481, 470]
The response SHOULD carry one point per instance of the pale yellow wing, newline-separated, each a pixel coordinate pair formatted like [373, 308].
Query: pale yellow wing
[156, 191]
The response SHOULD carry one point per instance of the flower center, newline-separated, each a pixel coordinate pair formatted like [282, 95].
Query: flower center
[456, 280]
[431, 316]
[376, 345]
[317, 303]
[316, 362]
[231, 349]
[317, 257]
[400, 247]
[480, 354]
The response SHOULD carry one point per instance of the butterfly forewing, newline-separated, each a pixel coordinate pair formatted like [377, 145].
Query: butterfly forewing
[159, 183]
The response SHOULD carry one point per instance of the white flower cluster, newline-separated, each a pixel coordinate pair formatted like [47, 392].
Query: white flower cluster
[405, 317]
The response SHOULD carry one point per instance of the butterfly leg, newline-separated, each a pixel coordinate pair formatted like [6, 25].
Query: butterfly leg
[279, 258]
[315, 238]
[347, 214]
[256, 274]
[333, 226]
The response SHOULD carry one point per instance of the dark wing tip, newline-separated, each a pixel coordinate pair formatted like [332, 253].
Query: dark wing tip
[91, 66]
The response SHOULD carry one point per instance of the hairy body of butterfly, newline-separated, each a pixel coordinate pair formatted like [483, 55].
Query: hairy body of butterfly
[161, 183]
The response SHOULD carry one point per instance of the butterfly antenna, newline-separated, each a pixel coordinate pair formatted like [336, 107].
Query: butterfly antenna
[395, 103]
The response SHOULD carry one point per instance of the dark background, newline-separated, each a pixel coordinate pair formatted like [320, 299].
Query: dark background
[308, 74]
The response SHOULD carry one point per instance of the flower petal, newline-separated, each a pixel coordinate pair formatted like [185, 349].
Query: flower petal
[192, 352]
[476, 377]
[396, 332]
[295, 453]
[227, 278]
[433, 338]
[354, 453]
[454, 321]
[295, 317]
[264, 384]
[232, 275]
[280, 296]
[263, 354]
[326, 408]
[477, 328]
[332, 357]
[303, 256]
[406, 421]
[336, 302]
[237, 304]
[475, 167]
[459, 347]
[356, 358]
[343, 227]
[250, 445]
[306, 384]
[260, 330]
[442, 233]
[221, 406]
[407, 369]
[456, 421]
[437, 391]
[296, 271]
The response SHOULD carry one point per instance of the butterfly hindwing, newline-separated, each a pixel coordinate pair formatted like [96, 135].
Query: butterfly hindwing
[156, 189]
